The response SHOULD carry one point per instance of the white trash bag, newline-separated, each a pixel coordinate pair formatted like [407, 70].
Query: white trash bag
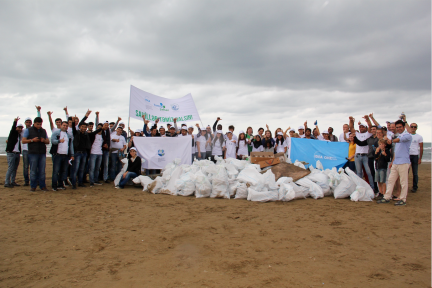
[345, 188]
[299, 164]
[143, 180]
[242, 191]
[360, 182]
[185, 185]
[319, 165]
[220, 185]
[264, 196]
[286, 193]
[155, 186]
[315, 191]
[203, 186]
[170, 186]
[360, 194]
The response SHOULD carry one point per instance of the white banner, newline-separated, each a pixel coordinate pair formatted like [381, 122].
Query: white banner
[159, 151]
[144, 103]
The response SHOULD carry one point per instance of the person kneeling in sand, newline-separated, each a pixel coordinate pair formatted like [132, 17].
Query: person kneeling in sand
[133, 170]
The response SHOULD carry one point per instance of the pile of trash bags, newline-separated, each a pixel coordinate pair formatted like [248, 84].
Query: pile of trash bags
[239, 179]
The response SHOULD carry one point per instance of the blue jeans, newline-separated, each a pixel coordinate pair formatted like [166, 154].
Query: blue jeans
[37, 170]
[125, 180]
[60, 169]
[363, 160]
[414, 165]
[25, 166]
[105, 164]
[203, 155]
[116, 165]
[78, 167]
[94, 165]
[13, 160]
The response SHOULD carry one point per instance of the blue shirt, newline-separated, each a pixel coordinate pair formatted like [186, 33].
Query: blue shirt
[402, 155]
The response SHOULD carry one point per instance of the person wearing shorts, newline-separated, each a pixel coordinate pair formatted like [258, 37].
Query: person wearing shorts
[382, 157]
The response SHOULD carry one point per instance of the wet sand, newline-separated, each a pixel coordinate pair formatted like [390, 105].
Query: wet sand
[104, 237]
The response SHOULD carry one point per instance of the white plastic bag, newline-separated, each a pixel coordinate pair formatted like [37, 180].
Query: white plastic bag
[203, 186]
[232, 187]
[263, 196]
[300, 191]
[220, 184]
[170, 187]
[315, 191]
[360, 182]
[360, 194]
[286, 192]
[322, 180]
[299, 164]
[345, 188]
[122, 171]
[284, 180]
[185, 185]
[319, 165]
[242, 191]
[143, 180]
[250, 176]
[155, 186]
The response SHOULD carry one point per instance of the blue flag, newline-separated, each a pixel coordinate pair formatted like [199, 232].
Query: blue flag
[330, 154]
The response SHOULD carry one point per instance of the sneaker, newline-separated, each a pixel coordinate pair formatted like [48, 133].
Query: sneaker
[15, 184]
[69, 181]
[400, 203]
[65, 184]
[107, 181]
[54, 189]
[91, 184]
[32, 189]
[81, 185]
[9, 186]
[383, 200]
[61, 188]
[26, 184]
[379, 197]
[117, 187]
[73, 186]
[413, 190]
[44, 189]
[97, 183]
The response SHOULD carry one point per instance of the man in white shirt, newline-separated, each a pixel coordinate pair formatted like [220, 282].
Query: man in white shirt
[118, 143]
[361, 156]
[95, 159]
[345, 132]
[416, 153]
[61, 150]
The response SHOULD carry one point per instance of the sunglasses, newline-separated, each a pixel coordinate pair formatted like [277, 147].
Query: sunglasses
[413, 127]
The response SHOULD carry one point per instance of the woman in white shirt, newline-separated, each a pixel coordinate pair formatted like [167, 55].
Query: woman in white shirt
[242, 146]
[218, 144]
[201, 142]
[280, 145]
[257, 144]
[231, 146]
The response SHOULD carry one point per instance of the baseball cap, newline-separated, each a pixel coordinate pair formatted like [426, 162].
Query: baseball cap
[28, 118]
[219, 131]
[300, 127]
[291, 130]
[280, 133]
[362, 124]
[20, 125]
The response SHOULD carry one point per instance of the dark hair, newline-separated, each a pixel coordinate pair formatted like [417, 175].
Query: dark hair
[266, 142]
[308, 129]
[206, 135]
[270, 134]
[282, 140]
[83, 123]
[373, 126]
[384, 128]
[113, 123]
[257, 143]
[221, 140]
[57, 119]
[65, 122]
[400, 122]
[231, 127]
[90, 123]
[244, 136]
[260, 129]
[37, 120]
[100, 124]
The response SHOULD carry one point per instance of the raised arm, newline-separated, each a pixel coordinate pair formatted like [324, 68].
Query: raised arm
[115, 125]
[407, 126]
[66, 112]
[366, 117]
[50, 120]
[351, 124]
[305, 125]
[38, 109]
[175, 126]
[215, 124]
[374, 121]
[97, 118]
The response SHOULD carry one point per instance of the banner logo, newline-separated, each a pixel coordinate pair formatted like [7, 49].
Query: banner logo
[175, 107]
[161, 152]
[318, 156]
[147, 100]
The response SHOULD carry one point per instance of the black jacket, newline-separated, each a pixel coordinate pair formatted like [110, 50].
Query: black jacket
[381, 160]
[106, 136]
[135, 166]
[13, 138]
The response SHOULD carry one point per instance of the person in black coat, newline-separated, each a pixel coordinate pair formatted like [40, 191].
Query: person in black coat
[133, 170]
[13, 149]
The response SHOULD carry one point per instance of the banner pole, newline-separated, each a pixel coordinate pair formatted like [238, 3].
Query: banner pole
[128, 127]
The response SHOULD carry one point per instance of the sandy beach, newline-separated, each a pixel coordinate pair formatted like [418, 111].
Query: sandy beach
[104, 237]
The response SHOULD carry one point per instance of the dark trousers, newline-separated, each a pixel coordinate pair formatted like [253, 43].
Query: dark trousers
[60, 169]
[414, 165]
[372, 170]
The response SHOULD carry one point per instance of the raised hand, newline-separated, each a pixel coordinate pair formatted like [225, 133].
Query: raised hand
[359, 123]
[371, 115]
[49, 113]
[197, 125]
[119, 119]
[157, 120]
[305, 123]
[88, 112]
[146, 121]
[38, 108]
[65, 109]
[17, 118]
[351, 118]
[97, 113]
[218, 119]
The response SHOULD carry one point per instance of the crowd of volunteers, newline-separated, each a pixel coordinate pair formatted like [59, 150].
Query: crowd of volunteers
[384, 155]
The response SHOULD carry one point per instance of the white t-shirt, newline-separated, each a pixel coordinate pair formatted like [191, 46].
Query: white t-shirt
[97, 145]
[23, 146]
[231, 148]
[234, 137]
[243, 147]
[280, 147]
[342, 139]
[415, 144]
[217, 148]
[259, 149]
[117, 145]
[302, 136]
[62, 148]
[362, 137]
[202, 142]
[16, 147]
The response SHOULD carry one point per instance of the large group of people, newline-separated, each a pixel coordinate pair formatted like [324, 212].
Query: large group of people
[382, 154]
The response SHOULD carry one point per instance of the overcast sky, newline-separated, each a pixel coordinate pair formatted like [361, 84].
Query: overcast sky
[250, 62]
